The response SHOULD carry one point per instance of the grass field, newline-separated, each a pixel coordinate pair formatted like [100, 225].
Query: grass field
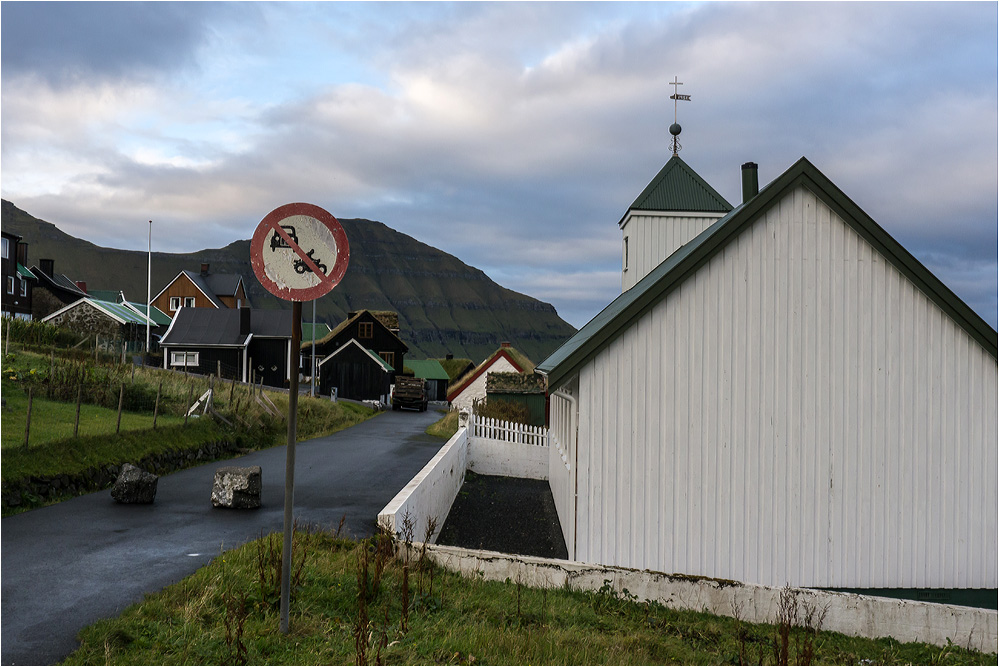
[355, 604]
[54, 420]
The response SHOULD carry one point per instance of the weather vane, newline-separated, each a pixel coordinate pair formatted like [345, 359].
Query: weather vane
[674, 129]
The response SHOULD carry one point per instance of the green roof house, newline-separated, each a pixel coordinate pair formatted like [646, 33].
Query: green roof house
[435, 375]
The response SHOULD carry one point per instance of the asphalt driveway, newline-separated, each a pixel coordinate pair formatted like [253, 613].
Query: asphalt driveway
[68, 565]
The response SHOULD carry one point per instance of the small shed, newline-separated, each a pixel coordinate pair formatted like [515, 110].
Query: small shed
[356, 373]
[435, 375]
[524, 388]
[111, 321]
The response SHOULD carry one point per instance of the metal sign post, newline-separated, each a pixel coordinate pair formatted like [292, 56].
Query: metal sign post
[299, 252]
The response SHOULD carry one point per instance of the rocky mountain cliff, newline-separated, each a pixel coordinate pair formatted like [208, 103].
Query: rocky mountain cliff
[444, 305]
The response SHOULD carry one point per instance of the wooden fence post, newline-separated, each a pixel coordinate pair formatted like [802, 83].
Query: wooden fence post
[51, 372]
[121, 401]
[190, 397]
[27, 422]
[156, 407]
[79, 397]
[218, 367]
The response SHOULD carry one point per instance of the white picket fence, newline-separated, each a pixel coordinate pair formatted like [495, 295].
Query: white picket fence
[504, 431]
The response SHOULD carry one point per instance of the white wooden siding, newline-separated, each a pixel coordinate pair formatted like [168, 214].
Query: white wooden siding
[652, 237]
[795, 412]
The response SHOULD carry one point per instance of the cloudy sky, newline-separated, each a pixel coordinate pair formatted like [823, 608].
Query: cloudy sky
[513, 136]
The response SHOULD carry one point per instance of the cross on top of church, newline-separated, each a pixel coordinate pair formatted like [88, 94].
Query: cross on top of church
[674, 129]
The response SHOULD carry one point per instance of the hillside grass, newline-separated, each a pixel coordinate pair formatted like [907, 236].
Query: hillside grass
[353, 603]
[53, 451]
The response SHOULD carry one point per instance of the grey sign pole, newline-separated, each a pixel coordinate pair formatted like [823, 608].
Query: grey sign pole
[289, 466]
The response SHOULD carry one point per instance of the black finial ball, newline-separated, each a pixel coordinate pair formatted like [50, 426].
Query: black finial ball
[674, 129]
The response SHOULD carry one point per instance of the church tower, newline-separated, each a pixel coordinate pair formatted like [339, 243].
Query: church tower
[672, 209]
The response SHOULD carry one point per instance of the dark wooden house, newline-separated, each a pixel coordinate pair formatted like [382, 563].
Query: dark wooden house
[18, 280]
[53, 290]
[241, 343]
[377, 331]
[356, 373]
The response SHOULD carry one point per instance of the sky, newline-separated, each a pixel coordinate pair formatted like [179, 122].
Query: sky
[511, 135]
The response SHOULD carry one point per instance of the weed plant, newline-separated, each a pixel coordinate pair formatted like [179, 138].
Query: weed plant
[355, 603]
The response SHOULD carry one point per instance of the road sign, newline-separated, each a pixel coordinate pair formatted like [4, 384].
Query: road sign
[299, 252]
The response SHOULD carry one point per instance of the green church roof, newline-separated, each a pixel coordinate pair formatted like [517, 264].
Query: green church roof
[677, 187]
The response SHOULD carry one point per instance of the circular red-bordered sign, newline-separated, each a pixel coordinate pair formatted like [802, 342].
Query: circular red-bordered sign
[299, 252]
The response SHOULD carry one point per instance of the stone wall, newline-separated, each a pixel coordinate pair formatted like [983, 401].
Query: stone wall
[87, 320]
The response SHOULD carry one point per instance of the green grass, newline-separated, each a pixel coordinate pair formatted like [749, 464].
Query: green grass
[445, 427]
[54, 420]
[226, 613]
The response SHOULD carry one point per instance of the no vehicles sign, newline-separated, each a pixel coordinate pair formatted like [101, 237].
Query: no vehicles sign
[299, 252]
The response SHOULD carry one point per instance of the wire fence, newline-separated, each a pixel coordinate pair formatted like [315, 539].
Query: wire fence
[60, 398]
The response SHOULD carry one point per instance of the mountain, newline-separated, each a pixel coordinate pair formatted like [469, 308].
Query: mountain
[444, 305]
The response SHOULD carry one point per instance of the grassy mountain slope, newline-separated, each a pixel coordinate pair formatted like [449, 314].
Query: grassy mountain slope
[444, 305]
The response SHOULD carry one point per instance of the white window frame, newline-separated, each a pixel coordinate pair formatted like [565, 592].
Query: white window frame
[6, 249]
[24, 287]
[174, 303]
[10, 284]
[183, 358]
[188, 302]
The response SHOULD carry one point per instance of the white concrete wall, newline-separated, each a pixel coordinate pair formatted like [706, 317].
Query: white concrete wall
[855, 615]
[476, 390]
[507, 459]
[796, 411]
[430, 494]
[654, 236]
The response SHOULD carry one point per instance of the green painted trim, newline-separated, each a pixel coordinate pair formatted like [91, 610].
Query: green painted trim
[629, 306]
[982, 598]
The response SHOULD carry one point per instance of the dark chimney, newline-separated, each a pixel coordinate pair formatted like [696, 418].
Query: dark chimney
[750, 181]
[47, 266]
[82, 284]
[22, 253]
[504, 344]
[204, 268]
[449, 356]
[244, 321]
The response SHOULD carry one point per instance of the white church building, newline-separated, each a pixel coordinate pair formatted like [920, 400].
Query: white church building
[782, 394]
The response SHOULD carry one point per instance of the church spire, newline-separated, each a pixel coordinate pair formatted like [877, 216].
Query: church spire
[674, 129]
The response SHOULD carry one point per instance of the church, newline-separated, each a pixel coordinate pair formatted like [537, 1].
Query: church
[782, 394]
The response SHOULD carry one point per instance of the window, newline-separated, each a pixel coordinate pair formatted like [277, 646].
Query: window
[183, 358]
[389, 358]
[625, 260]
[365, 330]
[188, 302]
[174, 302]
[10, 284]
[24, 288]
[6, 249]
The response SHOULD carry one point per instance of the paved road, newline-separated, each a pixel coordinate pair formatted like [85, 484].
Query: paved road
[68, 565]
